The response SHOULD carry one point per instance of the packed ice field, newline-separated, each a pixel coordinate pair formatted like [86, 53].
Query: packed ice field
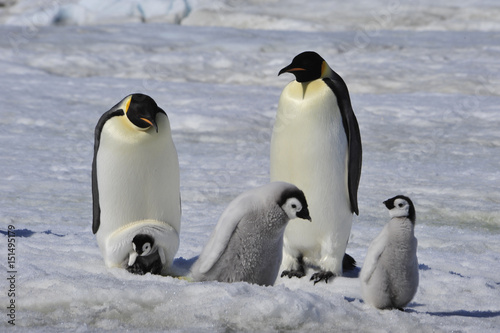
[424, 84]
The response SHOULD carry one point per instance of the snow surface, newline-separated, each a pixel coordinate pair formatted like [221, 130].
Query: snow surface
[425, 86]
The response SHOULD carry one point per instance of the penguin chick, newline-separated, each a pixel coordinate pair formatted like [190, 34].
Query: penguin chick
[316, 145]
[389, 277]
[145, 256]
[246, 244]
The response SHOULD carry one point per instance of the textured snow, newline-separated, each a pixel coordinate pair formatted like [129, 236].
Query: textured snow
[425, 86]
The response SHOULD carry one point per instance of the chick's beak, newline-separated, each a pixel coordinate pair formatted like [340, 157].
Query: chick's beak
[132, 258]
[304, 214]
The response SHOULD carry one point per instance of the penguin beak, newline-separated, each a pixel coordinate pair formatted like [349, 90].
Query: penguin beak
[304, 214]
[388, 204]
[152, 123]
[290, 69]
[132, 258]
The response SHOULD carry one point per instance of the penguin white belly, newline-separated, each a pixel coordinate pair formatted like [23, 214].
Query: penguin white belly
[138, 177]
[309, 150]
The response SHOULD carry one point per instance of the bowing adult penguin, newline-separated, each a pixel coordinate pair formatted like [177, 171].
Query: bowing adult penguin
[316, 145]
[135, 181]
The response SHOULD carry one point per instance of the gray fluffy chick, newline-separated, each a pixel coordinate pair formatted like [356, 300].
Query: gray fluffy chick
[247, 242]
[389, 277]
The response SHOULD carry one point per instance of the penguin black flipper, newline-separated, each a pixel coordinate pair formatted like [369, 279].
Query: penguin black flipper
[348, 263]
[96, 209]
[351, 127]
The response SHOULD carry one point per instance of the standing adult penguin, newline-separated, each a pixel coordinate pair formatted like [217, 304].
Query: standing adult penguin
[389, 277]
[247, 242]
[316, 145]
[135, 181]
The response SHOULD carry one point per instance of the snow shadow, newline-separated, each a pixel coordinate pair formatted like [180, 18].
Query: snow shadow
[182, 266]
[352, 273]
[28, 233]
[465, 313]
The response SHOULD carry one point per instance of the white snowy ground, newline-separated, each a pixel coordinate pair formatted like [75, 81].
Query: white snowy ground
[425, 85]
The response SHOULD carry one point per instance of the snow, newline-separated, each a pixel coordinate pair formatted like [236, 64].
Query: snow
[424, 82]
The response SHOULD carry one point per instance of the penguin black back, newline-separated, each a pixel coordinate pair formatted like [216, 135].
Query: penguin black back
[351, 128]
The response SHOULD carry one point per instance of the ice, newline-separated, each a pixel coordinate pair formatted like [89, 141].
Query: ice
[424, 83]
[84, 12]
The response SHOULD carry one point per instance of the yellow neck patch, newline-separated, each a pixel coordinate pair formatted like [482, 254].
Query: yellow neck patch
[325, 70]
[127, 103]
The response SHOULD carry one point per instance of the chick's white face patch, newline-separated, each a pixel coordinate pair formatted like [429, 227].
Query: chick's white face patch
[401, 208]
[292, 206]
[146, 248]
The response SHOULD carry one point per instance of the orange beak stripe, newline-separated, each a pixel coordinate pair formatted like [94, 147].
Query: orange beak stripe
[148, 121]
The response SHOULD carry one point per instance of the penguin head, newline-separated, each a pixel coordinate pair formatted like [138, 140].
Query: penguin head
[294, 204]
[307, 66]
[141, 111]
[143, 244]
[401, 206]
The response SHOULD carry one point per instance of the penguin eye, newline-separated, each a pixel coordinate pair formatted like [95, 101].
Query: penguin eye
[146, 247]
[400, 205]
[296, 206]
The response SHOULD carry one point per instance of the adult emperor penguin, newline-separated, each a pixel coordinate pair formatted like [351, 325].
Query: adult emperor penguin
[247, 242]
[316, 145]
[389, 277]
[135, 181]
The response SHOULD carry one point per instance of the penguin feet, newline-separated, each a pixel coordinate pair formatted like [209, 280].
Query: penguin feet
[298, 273]
[136, 269]
[348, 263]
[141, 268]
[320, 276]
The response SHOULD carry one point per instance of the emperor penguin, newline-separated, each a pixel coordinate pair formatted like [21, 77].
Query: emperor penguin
[247, 242]
[389, 277]
[316, 145]
[135, 182]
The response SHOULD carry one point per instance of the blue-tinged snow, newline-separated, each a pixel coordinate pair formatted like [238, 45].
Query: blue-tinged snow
[425, 86]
